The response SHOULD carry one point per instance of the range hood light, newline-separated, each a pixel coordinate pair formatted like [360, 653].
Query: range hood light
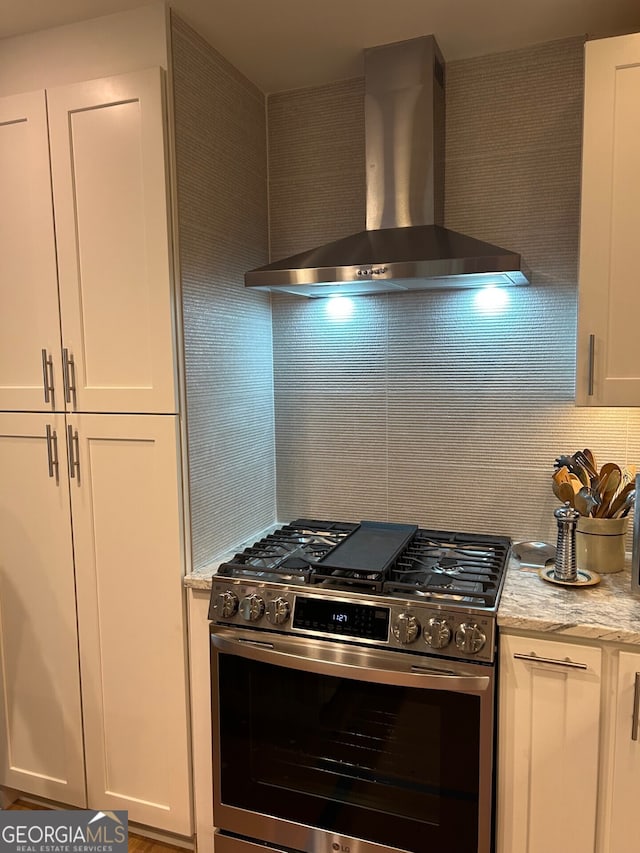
[339, 307]
[492, 300]
[405, 246]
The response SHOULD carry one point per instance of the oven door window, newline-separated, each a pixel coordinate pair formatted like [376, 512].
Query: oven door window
[395, 765]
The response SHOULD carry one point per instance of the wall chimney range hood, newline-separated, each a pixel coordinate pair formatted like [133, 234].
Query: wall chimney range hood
[404, 246]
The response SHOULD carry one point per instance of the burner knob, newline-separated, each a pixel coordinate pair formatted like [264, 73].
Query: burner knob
[405, 628]
[437, 633]
[251, 607]
[470, 638]
[227, 604]
[278, 610]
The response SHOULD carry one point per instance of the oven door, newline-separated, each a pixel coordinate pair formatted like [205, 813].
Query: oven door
[323, 746]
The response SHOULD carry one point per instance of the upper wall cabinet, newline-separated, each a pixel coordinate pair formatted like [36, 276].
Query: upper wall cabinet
[608, 366]
[30, 347]
[102, 249]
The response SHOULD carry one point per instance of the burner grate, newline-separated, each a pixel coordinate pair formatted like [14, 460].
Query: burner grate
[465, 591]
[454, 566]
[289, 553]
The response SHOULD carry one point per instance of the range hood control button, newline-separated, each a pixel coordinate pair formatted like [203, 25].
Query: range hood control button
[437, 633]
[405, 628]
[367, 272]
[278, 610]
[227, 604]
[470, 638]
[251, 607]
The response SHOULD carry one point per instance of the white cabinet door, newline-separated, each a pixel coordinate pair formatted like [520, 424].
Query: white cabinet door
[608, 367]
[623, 792]
[548, 744]
[41, 750]
[29, 317]
[110, 199]
[126, 508]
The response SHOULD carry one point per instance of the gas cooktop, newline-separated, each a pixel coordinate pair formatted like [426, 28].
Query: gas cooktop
[377, 558]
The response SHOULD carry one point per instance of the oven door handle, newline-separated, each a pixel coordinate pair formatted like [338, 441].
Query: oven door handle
[347, 663]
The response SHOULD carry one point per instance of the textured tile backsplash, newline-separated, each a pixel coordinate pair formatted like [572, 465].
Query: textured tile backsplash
[420, 407]
[222, 173]
[316, 166]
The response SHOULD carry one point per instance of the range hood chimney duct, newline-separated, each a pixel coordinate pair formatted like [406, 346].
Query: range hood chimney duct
[405, 246]
[404, 123]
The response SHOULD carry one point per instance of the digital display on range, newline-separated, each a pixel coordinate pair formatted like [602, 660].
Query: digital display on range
[341, 618]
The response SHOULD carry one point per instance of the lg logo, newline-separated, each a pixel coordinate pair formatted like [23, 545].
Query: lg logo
[341, 848]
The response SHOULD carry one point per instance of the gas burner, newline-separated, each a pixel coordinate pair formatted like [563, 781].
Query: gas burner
[447, 566]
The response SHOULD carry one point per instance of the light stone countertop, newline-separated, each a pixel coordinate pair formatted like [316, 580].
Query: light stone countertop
[201, 578]
[608, 611]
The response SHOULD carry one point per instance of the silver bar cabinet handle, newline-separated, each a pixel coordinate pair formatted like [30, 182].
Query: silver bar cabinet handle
[52, 452]
[636, 708]
[569, 664]
[69, 374]
[74, 452]
[592, 356]
[47, 376]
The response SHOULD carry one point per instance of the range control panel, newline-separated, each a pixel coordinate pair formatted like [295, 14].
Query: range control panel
[421, 627]
[342, 618]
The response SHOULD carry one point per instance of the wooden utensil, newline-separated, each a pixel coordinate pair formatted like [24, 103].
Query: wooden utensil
[607, 486]
[593, 471]
[576, 484]
[561, 475]
[625, 497]
[563, 491]
[606, 469]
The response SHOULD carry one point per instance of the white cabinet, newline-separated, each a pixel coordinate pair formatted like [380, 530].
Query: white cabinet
[621, 792]
[608, 365]
[119, 474]
[92, 623]
[41, 749]
[29, 317]
[110, 347]
[548, 746]
[126, 509]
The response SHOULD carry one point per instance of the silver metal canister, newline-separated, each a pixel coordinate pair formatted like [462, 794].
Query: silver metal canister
[566, 567]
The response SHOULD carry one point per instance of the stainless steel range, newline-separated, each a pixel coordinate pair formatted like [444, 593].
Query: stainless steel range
[353, 689]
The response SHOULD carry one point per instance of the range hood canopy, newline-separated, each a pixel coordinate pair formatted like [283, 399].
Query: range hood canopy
[404, 246]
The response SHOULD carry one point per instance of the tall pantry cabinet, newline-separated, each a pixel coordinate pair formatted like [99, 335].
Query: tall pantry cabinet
[92, 633]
